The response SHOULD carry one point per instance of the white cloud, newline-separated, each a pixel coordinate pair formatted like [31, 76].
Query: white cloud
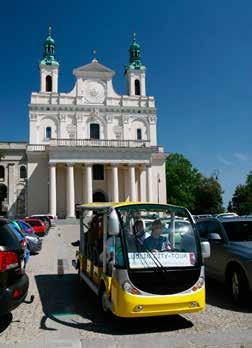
[241, 156]
[223, 160]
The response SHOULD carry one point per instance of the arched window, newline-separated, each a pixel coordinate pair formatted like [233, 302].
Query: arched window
[48, 83]
[48, 132]
[22, 172]
[2, 173]
[139, 134]
[137, 87]
[98, 172]
[94, 131]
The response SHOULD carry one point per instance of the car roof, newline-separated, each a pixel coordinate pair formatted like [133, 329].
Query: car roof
[226, 219]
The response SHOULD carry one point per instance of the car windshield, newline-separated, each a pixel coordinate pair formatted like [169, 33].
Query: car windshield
[158, 236]
[26, 227]
[238, 231]
[34, 223]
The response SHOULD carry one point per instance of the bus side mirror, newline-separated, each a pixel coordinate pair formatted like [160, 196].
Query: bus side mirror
[113, 224]
[205, 249]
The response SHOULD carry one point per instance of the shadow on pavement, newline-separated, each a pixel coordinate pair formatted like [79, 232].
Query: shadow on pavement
[217, 295]
[63, 296]
[5, 321]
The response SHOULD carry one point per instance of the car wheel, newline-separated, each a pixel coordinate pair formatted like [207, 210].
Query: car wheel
[238, 285]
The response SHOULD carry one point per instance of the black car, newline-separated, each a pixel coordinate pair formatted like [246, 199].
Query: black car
[231, 253]
[14, 282]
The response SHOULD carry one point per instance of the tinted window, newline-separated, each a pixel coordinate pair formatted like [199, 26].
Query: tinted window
[238, 231]
[7, 237]
[214, 227]
[202, 229]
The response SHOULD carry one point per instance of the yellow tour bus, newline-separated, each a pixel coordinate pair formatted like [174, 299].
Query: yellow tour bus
[141, 259]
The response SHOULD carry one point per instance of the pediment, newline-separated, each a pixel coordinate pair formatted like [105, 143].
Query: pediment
[95, 70]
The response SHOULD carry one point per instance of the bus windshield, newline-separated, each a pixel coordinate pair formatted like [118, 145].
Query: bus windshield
[158, 236]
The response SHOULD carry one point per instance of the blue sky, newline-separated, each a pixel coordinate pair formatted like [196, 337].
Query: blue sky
[199, 67]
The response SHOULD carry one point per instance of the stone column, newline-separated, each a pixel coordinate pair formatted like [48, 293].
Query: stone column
[70, 199]
[84, 189]
[149, 183]
[89, 183]
[142, 184]
[115, 184]
[132, 183]
[52, 190]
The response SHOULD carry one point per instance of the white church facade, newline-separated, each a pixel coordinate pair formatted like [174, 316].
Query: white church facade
[92, 144]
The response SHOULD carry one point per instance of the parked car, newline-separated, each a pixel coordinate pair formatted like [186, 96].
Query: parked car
[45, 219]
[38, 226]
[14, 282]
[22, 240]
[224, 215]
[201, 216]
[50, 219]
[34, 242]
[231, 253]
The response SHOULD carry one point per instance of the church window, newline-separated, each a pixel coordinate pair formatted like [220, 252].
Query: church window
[48, 83]
[139, 134]
[137, 87]
[94, 131]
[48, 133]
[22, 172]
[98, 172]
[2, 173]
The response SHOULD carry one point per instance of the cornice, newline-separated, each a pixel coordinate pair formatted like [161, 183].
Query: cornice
[88, 108]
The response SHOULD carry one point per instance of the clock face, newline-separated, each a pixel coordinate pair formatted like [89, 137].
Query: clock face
[94, 92]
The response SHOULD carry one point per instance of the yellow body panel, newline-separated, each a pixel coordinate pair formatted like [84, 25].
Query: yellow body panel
[89, 268]
[116, 205]
[97, 272]
[124, 304]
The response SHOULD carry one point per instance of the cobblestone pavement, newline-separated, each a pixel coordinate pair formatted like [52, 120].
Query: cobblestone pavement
[64, 314]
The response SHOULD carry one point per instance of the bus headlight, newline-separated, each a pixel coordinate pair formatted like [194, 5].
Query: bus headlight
[200, 283]
[127, 287]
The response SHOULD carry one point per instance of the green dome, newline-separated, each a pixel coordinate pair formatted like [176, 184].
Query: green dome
[49, 50]
[49, 41]
[135, 56]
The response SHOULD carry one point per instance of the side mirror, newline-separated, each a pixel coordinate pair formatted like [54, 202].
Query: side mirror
[214, 237]
[205, 250]
[113, 224]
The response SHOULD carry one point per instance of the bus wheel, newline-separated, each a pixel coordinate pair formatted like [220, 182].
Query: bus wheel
[103, 301]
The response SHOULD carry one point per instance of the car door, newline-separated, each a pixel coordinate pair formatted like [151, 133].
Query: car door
[217, 242]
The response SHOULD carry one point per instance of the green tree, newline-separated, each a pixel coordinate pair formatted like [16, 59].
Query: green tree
[181, 180]
[242, 197]
[208, 197]
[186, 186]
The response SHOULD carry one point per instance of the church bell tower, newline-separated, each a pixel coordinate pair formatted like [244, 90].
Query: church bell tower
[135, 71]
[49, 67]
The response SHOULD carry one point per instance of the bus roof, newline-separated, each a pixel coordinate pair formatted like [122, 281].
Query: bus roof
[107, 205]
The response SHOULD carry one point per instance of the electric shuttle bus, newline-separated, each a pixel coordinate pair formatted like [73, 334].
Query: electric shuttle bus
[142, 259]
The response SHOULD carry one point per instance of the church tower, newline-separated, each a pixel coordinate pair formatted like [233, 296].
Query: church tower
[135, 71]
[49, 67]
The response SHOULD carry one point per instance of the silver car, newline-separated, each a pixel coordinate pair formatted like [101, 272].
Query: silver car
[231, 253]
